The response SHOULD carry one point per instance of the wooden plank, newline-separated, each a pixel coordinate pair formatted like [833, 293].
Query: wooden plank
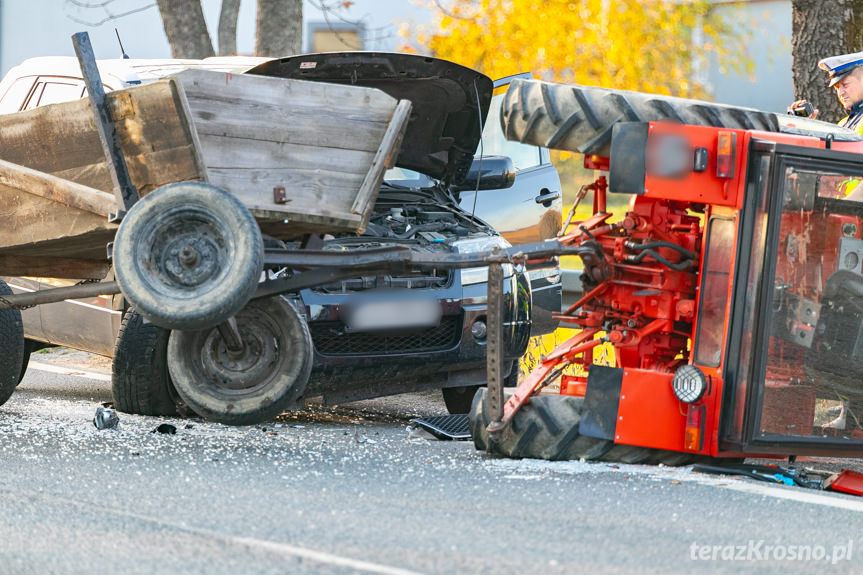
[29, 218]
[309, 188]
[65, 192]
[326, 128]
[89, 245]
[385, 157]
[55, 267]
[310, 97]
[227, 152]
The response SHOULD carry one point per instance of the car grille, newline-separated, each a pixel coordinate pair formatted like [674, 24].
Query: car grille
[437, 279]
[330, 339]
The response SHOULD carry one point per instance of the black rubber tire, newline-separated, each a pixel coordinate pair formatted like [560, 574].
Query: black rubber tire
[460, 399]
[29, 346]
[11, 347]
[140, 381]
[269, 379]
[223, 265]
[580, 118]
[547, 428]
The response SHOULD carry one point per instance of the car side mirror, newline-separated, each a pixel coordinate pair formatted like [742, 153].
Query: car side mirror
[493, 173]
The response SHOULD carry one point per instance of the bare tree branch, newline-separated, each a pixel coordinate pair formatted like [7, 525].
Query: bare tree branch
[228, 27]
[109, 15]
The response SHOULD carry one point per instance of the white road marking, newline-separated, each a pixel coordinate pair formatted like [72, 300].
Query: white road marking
[528, 469]
[284, 549]
[68, 370]
[798, 494]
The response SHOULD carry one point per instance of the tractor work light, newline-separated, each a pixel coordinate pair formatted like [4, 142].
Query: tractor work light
[689, 384]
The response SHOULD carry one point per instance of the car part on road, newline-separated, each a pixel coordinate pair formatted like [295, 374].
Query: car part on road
[165, 429]
[106, 418]
[140, 382]
[264, 374]
[455, 426]
[188, 255]
[11, 347]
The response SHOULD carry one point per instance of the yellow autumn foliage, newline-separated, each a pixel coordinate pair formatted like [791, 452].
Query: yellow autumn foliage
[652, 46]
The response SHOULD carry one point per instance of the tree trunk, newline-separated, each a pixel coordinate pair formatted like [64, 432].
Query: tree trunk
[228, 27]
[279, 30]
[186, 29]
[820, 30]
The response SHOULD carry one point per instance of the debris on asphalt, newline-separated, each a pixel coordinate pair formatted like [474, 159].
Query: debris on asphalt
[106, 418]
[418, 434]
[166, 428]
[363, 439]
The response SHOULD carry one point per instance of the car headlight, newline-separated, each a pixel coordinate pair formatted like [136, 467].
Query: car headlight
[470, 276]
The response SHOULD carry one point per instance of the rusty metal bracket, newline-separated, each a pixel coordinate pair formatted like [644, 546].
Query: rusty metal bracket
[494, 347]
[124, 191]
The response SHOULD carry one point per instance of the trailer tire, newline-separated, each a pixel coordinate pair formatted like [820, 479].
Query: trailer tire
[580, 118]
[188, 256]
[11, 347]
[269, 378]
[140, 382]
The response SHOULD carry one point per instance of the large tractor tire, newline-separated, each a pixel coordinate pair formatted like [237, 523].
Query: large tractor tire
[140, 382]
[580, 118]
[11, 347]
[548, 428]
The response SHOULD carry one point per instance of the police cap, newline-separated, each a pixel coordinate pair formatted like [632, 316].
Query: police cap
[840, 66]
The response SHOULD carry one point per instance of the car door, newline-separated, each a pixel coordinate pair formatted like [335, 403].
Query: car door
[529, 211]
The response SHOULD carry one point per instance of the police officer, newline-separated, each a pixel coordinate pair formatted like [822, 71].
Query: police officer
[846, 79]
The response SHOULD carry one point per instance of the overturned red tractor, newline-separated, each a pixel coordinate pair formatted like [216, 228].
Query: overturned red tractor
[731, 290]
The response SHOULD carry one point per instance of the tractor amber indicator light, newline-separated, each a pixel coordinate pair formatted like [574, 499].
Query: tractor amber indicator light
[692, 435]
[725, 149]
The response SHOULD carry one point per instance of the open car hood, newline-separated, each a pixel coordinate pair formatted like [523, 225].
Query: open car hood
[444, 126]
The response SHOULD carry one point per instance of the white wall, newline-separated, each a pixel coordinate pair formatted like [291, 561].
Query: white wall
[30, 28]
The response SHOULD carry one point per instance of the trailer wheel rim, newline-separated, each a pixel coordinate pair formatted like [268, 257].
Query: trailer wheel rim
[263, 355]
[184, 249]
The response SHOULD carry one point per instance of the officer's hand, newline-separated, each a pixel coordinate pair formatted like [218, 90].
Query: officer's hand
[800, 104]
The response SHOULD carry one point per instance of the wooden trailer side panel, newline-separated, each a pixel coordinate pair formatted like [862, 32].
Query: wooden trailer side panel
[318, 141]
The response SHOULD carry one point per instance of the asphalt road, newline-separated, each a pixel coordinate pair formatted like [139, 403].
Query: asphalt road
[348, 490]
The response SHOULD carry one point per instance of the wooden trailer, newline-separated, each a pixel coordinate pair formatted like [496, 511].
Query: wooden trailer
[171, 186]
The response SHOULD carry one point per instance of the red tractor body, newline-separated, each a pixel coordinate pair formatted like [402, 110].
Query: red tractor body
[731, 291]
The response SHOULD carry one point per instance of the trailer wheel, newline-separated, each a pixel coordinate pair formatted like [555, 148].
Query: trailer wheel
[268, 377]
[580, 118]
[11, 347]
[188, 255]
[140, 381]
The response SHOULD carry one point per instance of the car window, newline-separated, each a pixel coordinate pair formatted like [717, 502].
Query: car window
[495, 144]
[54, 92]
[14, 97]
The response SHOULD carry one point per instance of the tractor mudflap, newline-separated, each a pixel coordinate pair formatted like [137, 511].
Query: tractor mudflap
[548, 428]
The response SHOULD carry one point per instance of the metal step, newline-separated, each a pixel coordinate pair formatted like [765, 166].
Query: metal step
[446, 426]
